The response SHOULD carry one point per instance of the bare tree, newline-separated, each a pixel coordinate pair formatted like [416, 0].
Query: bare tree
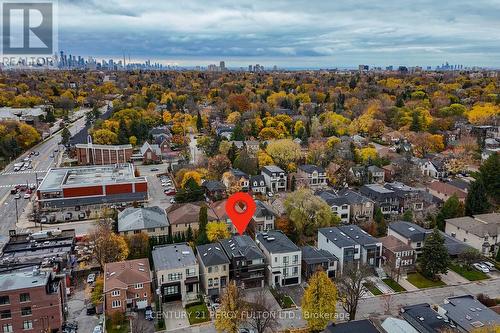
[259, 314]
[350, 286]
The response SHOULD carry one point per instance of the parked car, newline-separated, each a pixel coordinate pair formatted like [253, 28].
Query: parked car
[27, 195]
[481, 268]
[36, 153]
[172, 201]
[149, 313]
[270, 194]
[17, 196]
[170, 192]
[489, 265]
[91, 278]
[215, 306]
[91, 309]
[97, 329]
[154, 169]
[13, 190]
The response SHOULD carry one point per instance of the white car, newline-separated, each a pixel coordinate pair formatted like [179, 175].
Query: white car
[481, 268]
[172, 201]
[27, 196]
[488, 265]
[91, 278]
[270, 194]
[97, 329]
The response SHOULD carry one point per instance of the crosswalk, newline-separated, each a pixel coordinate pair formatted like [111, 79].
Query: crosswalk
[13, 185]
[24, 172]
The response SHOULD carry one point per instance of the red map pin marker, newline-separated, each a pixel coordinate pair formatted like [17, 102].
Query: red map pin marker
[240, 208]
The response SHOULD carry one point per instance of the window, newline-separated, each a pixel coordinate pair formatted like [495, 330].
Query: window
[4, 300]
[26, 311]
[295, 258]
[285, 260]
[171, 290]
[210, 282]
[24, 297]
[210, 269]
[216, 282]
[295, 270]
[116, 303]
[137, 232]
[151, 229]
[419, 244]
[115, 293]
[5, 314]
[139, 285]
[174, 276]
[224, 268]
[27, 324]
[275, 259]
[7, 328]
[285, 272]
[190, 271]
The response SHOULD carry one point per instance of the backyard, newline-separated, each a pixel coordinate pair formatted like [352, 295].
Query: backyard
[469, 273]
[393, 285]
[420, 281]
[197, 313]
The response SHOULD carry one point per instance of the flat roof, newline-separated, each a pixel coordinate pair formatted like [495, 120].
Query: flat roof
[468, 313]
[173, 256]
[58, 178]
[22, 279]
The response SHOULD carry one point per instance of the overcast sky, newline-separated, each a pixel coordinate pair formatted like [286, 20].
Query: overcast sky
[293, 33]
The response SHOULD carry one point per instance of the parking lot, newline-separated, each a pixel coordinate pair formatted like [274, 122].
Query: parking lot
[156, 194]
[77, 310]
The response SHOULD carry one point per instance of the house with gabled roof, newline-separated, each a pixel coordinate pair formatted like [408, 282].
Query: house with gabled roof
[214, 268]
[150, 220]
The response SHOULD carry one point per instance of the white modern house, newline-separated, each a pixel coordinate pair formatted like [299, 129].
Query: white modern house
[283, 258]
[275, 178]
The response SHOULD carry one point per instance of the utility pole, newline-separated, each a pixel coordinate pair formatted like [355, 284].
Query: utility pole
[17, 215]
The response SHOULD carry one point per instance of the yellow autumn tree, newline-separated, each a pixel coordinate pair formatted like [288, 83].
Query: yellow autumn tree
[233, 117]
[195, 175]
[483, 113]
[217, 231]
[264, 158]
[230, 315]
[366, 154]
[27, 136]
[284, 152]
[167, 117]
[104, 137]
[319, 301]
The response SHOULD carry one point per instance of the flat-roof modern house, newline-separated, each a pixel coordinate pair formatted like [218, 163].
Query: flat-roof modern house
[74, 189]
[283, 258]
[481, 232]
[176, 270]
[355, 326]
[248, 265]
[468, 314]
[150, 220]
[425, 320]
[314, 259]
[214, 268]
[351, 244]
[387, 200]
[275, 178]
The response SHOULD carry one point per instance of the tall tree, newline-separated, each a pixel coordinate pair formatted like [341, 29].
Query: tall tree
[217, 231]
[138, 245]
[199, 122]
[65, 136]
[257, 314]
[319, 301]
[238, 134]
[230, 315]
[108, 246]
[435, 258]
[490, 174]
[122, 132]
[451, 208]
[380, 222]
[202, 231]
[476, 201]
[351, 287]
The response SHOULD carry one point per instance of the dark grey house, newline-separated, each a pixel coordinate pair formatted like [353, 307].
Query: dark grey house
[314, 259]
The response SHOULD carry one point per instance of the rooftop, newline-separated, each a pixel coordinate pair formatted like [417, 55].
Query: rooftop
[58, 178]
[310, 168]
[337, 237]
[120, 275]
[479, 225]
[212, 254]
[23, 278]
[241, 246]
[424, 318]
[409, 230]
[312, 255]
[468, 313]
[358, 235]
[272, 168]
[276, 241]
[394, 244]
[111, 147]
[142, 218]
[173, 256]
[364, 326]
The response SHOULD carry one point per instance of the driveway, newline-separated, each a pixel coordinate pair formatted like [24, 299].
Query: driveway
[78, 312]
[250, 294]
[175, 316]
[141, 325]
[453, 278]
[295, 292]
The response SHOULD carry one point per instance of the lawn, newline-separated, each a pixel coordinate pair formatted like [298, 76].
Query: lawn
[469, 273]
[123, 328]
[419, 281]
[285, 301]
[373, 289]
[197, 313]
[394, 285]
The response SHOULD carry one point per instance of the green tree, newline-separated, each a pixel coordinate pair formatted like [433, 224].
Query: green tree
[189, 234]
[408, 215]
[451, 208]
[65, 136]
[490, 174]
[319, 301]
[238, 132]
[476, 201]
[123, 133]
[379, 219]
[97, 295]
[435, 258]
[498, 255]
[202, 231]
[199, 122]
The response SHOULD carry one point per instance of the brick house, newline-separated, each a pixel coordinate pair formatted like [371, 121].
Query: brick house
[31, 299]
[397, 255]
[127, 285]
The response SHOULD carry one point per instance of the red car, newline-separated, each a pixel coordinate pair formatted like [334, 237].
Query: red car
[170, 192]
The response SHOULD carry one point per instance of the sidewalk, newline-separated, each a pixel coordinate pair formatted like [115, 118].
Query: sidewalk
[407, 285]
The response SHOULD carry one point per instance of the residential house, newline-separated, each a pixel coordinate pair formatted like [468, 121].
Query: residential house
[258, 184]
[31, 300]
[481, 231]
[214, 190]
[127, 286]
[444, 191]
[425, 320]
[415, 235]
[160, 134]
[339, 205]
[264, 217]
[389, 172]
[150, 220]
[235, 175]
[252, 147]
[434, 168]
[468, 314]
[397, 325]
[360, 207]
[398, 256]
[275, 178]
[247, 262]
[487, 152]
[224, 130]
[314, 259]
[350, 244]
[409, 198]
[387, 200]
[376, 174]
[310, 176]
[283, 258]
[176, 271]
[359, 174]
[184, 215]
[214, 268]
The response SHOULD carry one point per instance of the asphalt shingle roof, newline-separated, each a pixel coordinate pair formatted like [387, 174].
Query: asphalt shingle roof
[312, 255]
[166, 257]
[141, 218]
[241, 245]
[212, 254]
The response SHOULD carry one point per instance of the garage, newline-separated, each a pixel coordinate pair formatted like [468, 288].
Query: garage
[287, 282]
[142, 304]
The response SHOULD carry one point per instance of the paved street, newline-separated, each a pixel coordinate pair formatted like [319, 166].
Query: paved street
[41, 163]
